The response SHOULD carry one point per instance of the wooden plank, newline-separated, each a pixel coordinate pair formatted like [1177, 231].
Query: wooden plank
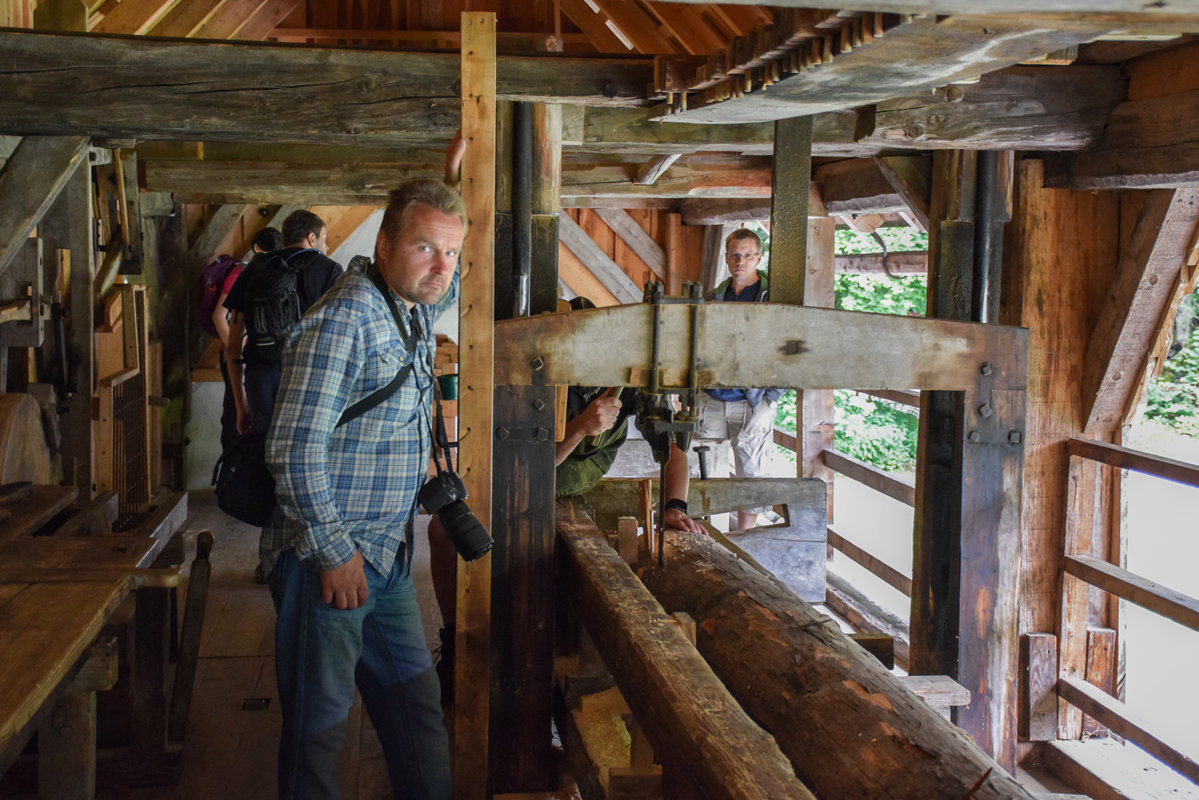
[879, 569]
[592, 25]
[581, 281]
[1101, 666]
[223, 220]
[719, 211]
[476, 310]
[31, 179]
[686, 711]
[1127, 458]
[655, 168]
[597, 261]
[29, 515]
[847, 602]
[1038, 687]
[47, 86]
[1115, 715]
[134, 17]
[896, 488]
[632, 234]
[910, 176]
[856, 186]
[229, 19]
[947, 50]
[915, 263]
[1171, 604]
[937, 690]
[262, 23]
[676, 266]
[1150, 264]
[184, 19]
[817, 348]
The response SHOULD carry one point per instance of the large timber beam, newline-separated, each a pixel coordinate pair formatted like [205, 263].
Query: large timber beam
[1123, 12]
[31, 179]
[690, 718]
[810, 348]
[849, 727]
[147, 88]
[1149, 268]
[913, 56]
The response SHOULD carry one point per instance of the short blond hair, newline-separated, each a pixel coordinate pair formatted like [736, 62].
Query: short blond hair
[420, 192]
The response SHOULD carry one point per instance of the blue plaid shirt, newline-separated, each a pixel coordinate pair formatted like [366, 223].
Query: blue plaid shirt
[351, 487]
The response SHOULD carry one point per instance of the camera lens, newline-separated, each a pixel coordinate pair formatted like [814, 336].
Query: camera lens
[470, 538]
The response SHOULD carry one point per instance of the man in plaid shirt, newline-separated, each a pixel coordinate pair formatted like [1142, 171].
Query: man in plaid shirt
[338, 549]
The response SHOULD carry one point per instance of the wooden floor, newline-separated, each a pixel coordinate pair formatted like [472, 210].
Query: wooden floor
[233, 733]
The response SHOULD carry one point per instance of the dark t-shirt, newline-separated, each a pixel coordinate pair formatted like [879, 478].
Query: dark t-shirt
[317, 273]
[590, 460]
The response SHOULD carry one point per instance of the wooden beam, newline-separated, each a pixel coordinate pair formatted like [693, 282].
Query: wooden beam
[1127, 458]
[653, 170]
[1150, 264]
[229, 19]
[789, 190]
[1115, 715]
[910, 176]
[1129, 11]
[939, 50]
[30, 181]
[48, 85]
[719, 211]
[915, 263]
[632, 234]
[590, 23]
[581, 281]
[688, 714]
[204, 248]
[1038, 683]
[856, 186]
[880, 569]
[1171, 604]
[818, 693]
[896, 488]
[597, 261]
[817, 348]
[472, 674]
[635, 25]
[134, 16]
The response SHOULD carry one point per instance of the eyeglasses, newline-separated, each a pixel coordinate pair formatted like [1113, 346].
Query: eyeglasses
[734, 257]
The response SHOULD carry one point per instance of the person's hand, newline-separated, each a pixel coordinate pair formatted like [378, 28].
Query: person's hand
[453, 159]
[677, 519]
[243, 421]
[601, 413]
[345, 587]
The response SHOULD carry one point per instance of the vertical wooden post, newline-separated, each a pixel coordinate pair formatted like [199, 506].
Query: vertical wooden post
[674, 254]
[814, 407]
[965, 581]
[521, 752]
[789, 208]
[472, 674]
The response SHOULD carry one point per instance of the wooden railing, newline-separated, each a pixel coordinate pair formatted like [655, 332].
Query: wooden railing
[1171, 604]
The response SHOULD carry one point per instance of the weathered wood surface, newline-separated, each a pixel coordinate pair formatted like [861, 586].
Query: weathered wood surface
[789, 190]
[1119, 10]
[688, 714]
[864, 615]
[30, 181]
[936, 52]
[48, 628]
[810, 348]
[476, 312]
[912, 263]
[1150, 265]
[848, 726]
[95, 85]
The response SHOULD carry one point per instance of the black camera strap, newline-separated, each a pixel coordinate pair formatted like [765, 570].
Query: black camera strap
[378, 396]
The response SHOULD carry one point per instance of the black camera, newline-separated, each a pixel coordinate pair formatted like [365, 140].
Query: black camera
[444, 495]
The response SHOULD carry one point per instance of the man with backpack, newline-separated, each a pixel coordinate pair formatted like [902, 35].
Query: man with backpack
[219, 279]
[267, 301]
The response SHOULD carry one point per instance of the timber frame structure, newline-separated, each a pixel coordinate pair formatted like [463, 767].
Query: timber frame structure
[1049, 150]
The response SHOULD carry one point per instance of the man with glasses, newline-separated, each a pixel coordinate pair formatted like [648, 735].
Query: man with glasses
[744, 416]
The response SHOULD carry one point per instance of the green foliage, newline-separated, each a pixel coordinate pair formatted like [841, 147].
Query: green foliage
[1173, 397]
[898, 239]
[905, 295]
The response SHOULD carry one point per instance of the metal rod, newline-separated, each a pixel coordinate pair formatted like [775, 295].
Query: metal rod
[522, 206]
[988, 239]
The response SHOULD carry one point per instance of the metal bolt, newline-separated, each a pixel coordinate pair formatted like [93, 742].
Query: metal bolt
[985, 369]
[538, 363]
[1014, 437]
[502, 433]
[539, 404]
[974, 437]
[984, 410]
[541, 434]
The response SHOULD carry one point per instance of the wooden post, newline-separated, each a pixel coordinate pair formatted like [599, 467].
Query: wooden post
[789, 208]
[523, 594]
[1038, 687]
[472, 674]
[814, 407]
[965, 582]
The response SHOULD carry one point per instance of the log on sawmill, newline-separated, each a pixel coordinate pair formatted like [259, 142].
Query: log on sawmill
[690, 718]
[850, 728]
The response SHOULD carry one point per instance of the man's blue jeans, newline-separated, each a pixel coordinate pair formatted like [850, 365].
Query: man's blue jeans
[321, 652]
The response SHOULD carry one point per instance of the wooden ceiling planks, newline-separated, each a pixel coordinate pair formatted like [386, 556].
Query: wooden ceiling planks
[259, 26]
[229, 19]
[134, 17]
[185, 19]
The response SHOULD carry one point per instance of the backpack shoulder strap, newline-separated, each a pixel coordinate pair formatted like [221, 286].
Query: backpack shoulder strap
[379, 395]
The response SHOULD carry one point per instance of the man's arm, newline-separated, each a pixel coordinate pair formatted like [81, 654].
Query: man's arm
[599, 415]
[675, 480]
[235, 335]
